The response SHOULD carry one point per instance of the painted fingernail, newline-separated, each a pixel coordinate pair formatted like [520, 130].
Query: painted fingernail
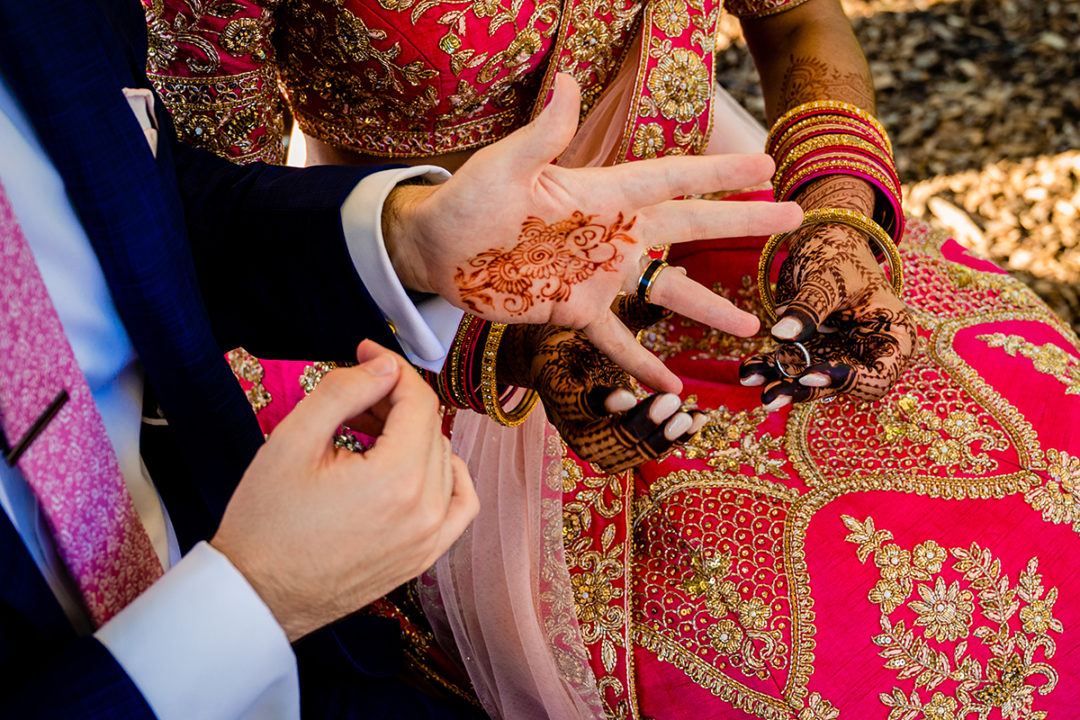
[787, 328]
[814, 380]
[620, 401]
[778, 403]
[677, 426]
[380, 366]
[663, 407]
[752, 380]
[699, 422]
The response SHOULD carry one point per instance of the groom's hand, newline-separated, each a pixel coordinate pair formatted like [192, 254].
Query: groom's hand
[320, 532]
[513, 238]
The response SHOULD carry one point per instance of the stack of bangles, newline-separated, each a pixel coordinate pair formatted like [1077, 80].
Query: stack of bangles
[468, 377]
[829, 137]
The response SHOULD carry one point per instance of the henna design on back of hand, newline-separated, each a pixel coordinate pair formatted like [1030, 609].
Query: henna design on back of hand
[546, 262]
[810, 78]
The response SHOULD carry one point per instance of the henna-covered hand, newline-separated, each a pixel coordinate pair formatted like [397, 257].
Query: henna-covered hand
[588, 398]
[834, 297]
[513, 238]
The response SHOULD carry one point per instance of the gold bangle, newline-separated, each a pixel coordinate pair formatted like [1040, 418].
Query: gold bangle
[456, 377]
[833, 105]
[801, 149]
[836, 123]
[827, 216]
[849, 163]
[489, 386]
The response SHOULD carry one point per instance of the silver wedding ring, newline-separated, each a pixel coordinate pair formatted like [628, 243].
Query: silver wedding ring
[806, 358]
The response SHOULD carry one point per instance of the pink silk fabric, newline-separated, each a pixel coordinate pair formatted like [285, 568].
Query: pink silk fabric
[70, 466]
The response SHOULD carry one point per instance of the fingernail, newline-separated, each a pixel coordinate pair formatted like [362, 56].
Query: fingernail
[752, 380]
[787, 328]
[620, 401]
[663, 407]
[699, 422]
[677, 426]
[778, 403]
[380, 366]
[814, 380]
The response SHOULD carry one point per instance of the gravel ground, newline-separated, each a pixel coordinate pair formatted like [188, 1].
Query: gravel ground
[982, 100]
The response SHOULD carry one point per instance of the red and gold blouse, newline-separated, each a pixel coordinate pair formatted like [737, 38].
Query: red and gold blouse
[416, 78]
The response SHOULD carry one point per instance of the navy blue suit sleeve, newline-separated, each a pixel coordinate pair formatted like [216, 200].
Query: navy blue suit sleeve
[271, 258]
[82, 682]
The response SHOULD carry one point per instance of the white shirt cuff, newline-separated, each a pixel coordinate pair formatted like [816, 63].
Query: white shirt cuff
[200, 643]
[425, 330]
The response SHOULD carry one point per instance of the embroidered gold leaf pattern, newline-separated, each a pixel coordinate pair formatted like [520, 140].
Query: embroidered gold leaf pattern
[1048, 358]
[964, 684]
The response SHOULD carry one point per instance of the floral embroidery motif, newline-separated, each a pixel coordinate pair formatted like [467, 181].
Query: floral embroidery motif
[730, 440]
[949, 440]
[818, 708]
[313, 375]
[680, 85]
[1048, 359]
[993, 674]
[1058, 498]
[247, 368]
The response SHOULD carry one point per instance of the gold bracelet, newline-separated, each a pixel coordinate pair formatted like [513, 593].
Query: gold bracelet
[833, 105]
[489, 386]
[801, 149]
[835, 123]
[849, 162]
[827, 216]
[456, 381]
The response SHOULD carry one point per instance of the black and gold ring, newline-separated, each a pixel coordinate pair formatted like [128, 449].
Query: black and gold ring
[645, 282]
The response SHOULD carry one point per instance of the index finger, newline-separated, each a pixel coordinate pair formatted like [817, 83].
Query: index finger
[412, 420]
[647, 182]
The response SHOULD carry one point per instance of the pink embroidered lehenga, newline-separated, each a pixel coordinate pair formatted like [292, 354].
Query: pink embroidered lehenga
[906, 558]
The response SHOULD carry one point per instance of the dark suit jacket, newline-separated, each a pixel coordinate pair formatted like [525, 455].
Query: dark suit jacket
[201, 256]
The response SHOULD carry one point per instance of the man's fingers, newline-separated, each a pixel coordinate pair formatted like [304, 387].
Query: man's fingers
[412, 423]
[677, 292]
[612, 338]
[343, 394]
[463, 506]
[544, 139]
[649, 182]
[677, 221]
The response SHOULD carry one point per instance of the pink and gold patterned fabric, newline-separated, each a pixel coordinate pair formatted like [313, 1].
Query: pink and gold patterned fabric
[413, 78]
[901, 559]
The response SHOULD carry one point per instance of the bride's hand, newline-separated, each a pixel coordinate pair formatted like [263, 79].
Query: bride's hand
[833, 296]
[513, 238]
[587, 397]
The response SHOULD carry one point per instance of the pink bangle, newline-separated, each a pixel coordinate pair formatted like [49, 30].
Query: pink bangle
[888, 210]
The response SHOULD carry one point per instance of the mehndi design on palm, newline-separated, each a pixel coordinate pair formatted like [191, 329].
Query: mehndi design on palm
[545, 263]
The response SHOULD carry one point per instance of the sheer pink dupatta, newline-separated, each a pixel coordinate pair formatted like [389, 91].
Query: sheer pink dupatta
[501, 595]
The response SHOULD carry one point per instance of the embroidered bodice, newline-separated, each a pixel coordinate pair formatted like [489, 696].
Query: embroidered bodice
[401, 78]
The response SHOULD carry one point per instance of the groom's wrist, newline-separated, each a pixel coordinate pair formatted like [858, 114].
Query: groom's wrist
[402, 238]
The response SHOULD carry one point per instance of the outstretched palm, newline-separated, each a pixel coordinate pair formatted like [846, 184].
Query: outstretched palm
[513, 238]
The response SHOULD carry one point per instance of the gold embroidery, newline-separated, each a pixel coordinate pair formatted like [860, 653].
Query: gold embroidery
[313, 375]
[729, 441]
[1058, 498]
[671, 17]
[818, 708]
[1048, 359]
[247, 367]
[949, 441]
[680, 85]
[759, 8]
[946, 610]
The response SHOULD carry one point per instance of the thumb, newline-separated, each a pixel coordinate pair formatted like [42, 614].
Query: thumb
[542, 140]
[343, 394]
